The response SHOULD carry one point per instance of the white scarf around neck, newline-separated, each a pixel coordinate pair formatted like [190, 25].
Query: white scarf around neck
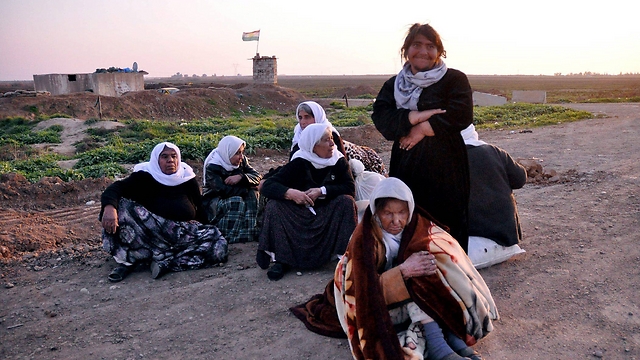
[309, 137]
[221, 155]
[182, 175]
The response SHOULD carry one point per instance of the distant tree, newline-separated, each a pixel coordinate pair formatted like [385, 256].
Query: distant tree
[204, 75]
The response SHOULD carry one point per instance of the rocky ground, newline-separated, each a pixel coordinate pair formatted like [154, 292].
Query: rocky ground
[572, 295]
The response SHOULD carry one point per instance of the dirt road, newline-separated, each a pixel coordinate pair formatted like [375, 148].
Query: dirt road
[572, 295]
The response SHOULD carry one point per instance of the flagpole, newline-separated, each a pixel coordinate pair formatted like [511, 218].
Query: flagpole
[257, 44]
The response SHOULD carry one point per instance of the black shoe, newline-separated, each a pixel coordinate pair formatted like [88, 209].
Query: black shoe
[120, 272]
[277, 271]
[263, 259]
[157, 270]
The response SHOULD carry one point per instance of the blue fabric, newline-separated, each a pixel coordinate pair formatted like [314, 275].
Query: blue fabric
[437, 347]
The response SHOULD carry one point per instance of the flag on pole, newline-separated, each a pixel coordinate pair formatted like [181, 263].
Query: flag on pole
[251, 36]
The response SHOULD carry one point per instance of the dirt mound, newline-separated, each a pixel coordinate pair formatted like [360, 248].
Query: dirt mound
[188, 103]
[17, 192]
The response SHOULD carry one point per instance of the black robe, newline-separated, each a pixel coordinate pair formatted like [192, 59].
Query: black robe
[436, 169]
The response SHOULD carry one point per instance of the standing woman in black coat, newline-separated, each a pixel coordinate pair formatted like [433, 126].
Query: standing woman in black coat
[422, 110]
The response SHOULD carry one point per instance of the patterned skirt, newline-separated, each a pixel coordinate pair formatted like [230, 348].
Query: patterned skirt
[236, 217]
[175, 245]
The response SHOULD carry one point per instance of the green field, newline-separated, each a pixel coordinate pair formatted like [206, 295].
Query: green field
[560, 89]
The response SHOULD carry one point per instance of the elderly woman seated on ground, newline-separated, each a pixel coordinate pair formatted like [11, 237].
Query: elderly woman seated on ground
[494, 224]
[229, 191]
[150, 217]
[404, 288]
[311, 212]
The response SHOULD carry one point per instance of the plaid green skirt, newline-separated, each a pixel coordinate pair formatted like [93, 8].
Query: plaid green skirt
[236, 217]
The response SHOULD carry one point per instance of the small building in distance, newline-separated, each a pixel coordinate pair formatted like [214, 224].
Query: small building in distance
[100, 83]
[265, 69]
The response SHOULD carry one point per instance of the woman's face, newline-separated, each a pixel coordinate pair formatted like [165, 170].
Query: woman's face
[324, 147]
[168, 161]
[393, 216]
[237, 157]
[422, 55]
[305, 119]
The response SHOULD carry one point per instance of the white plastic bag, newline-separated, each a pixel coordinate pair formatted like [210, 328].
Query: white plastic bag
[485, 252]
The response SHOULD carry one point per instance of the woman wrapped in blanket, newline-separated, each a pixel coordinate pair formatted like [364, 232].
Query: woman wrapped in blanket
[152, 216]
[229, 191]
[311, 212]
[404, 288]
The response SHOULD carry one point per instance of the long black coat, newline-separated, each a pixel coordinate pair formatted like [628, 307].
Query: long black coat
[436, 169]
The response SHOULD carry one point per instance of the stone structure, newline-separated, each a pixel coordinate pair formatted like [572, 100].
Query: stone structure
[484, 99]
[265, 69]
[529, 96]
[106, 84]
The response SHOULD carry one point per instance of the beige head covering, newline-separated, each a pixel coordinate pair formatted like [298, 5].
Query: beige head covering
[392, 188]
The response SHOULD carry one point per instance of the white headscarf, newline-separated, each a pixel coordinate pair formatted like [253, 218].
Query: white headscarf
[182, 175]
[391, 188]
[366, 181]
[227, 147]
[319, 116]
[309, 137]
[408, 87]
[470, 136]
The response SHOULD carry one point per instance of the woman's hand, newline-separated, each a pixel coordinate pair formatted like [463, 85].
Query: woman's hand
[233, 179]
[110, 219]
[298, 197]
[417, 133]
[260, 185]
[417, 117]
[314, 194]
[418, 264]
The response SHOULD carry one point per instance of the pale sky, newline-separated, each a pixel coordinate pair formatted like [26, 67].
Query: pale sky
[328, 37]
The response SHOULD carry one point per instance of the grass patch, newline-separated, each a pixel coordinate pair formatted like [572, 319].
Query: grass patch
[36, 168]
[103, 152]
[524, 115]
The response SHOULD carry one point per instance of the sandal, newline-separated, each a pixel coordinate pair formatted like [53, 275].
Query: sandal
[120, 272]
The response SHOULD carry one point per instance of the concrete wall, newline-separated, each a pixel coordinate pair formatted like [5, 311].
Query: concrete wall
[58, 84]
[529, 96]
[265, 69]
[117, 83]
[484, 99]
[106, 84]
